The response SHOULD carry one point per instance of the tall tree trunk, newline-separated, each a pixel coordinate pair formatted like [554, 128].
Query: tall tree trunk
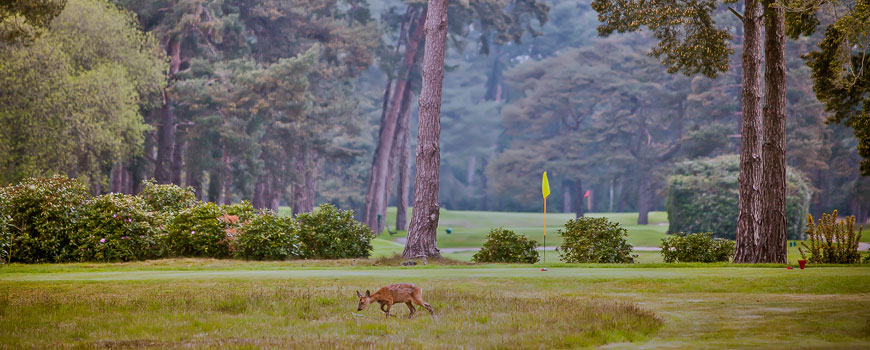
[566, 196]
[472, 169]
[749, 196]
[643, 194]
[166, 129]
[772, 247]
[259, 200]
[610, 203]
[422, 239]
[402, 126]
[116, 177]
[578, 198]
[178, 159]
[276, 189]
[194, 180]
[226, 180]
[403, 187]
[304, 188]
[484, 201]
[380, 163]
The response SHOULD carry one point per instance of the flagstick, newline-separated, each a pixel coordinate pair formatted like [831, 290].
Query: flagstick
[545, 230]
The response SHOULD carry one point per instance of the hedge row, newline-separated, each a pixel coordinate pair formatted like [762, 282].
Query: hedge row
[49, 220]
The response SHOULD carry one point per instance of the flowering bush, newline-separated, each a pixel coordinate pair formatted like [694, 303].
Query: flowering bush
[268, 237]
[330, 233]
[696, 247]
[506, 246]
[117, 227]
[205, 230]
[41, 215]
[595, 240]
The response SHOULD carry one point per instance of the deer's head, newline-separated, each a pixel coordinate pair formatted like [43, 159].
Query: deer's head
[364, 300]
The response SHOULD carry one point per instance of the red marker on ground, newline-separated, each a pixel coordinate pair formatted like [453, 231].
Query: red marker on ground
[544, 269]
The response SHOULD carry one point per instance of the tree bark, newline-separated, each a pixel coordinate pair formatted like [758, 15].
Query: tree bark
[402, 127]
[276, 190]
[116, 177]
[403, 186]
[304, 188]
[226, 180]
[578, 198]
[422, 239]
[749, 196]
[772, 247]
[643, 194]
[380, 163]
[194, 180]
[166, 129]
[566, 196]
[177, 165]
[259, 200]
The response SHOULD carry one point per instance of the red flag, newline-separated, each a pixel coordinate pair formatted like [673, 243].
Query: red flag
[586, 194]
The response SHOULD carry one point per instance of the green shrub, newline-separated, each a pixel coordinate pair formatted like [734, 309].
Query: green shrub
[268, 237]
[42, 213]
[703, 195]
[245, 211]
[832, 241]
[330, 233]
[167, 200]
[505, 246]
[117, 227]
[594, 240]
[696, 247]
[205, 230]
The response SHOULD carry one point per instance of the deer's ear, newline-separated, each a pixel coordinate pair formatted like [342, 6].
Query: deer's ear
[367, 293]
[358, 294]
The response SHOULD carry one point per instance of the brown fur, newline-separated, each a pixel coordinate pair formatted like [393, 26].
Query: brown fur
[393, 294]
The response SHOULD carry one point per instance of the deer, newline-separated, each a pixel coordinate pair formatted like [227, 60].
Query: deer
[395, 293]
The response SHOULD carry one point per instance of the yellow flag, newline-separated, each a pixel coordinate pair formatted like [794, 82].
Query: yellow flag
[545, 186]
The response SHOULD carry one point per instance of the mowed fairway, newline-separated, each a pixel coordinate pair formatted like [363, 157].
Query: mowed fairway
[228, 304]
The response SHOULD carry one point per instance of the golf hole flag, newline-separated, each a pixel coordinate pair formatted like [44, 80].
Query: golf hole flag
[545, 190]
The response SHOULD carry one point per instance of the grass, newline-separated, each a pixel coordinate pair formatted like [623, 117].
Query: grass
[204, 303]
[469, 228]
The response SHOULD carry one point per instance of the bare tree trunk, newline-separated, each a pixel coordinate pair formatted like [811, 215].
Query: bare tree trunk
[772, 247]
[116, 177]
[610, 203]
[403, 187]
[422, 239]
[259, 200]
[578, 198]
[380, 163]
[166, 129]
[566, 196]
[226, 180]
[276, 189]
[402, 127]
[178, 159]
[472, 169]
[749, 202]
[643, 194]
[194, 180]
[304, 188]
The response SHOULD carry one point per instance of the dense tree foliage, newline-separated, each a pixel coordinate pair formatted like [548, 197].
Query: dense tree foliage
[71, 100]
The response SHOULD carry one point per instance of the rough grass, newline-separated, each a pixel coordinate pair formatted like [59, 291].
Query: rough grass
[205, 303]
[282, 314]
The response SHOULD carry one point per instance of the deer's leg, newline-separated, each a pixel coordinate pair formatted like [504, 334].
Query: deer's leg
[417, 298]
[411, 308]
[389, 306]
